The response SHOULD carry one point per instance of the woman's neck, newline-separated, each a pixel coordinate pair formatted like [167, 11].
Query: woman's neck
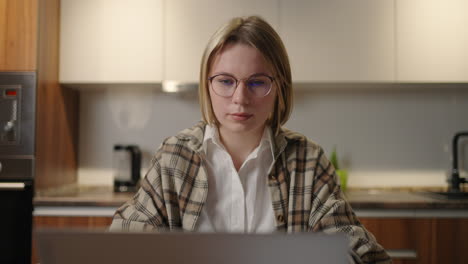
[240, 145]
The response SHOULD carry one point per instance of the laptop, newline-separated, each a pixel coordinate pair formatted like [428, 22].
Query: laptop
[72, 246]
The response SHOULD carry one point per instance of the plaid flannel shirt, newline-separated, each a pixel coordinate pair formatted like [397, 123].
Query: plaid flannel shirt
[302, 182]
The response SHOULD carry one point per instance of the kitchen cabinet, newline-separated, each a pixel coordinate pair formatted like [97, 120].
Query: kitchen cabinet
[190, 24]
[111, 41]
[18, 35]
[143, 41]
[68, 222]
[339, 40]
[432, 40]
[451, 240]
[434, 240]
[418, 227]
[328, 41]
[396, 234]
[72, 221]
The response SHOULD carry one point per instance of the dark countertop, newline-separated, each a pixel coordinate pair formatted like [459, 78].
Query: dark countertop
[93, 196]
[402, 199]
[382, 199]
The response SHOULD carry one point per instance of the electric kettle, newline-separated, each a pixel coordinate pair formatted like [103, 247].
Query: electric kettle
[127, 165]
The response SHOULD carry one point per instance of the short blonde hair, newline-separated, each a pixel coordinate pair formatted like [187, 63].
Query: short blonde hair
[256, 32]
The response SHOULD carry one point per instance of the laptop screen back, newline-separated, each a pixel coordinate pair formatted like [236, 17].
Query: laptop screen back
[98, 247]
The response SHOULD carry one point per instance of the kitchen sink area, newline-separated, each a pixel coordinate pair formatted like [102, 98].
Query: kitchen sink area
[383, 199]
[448, 195]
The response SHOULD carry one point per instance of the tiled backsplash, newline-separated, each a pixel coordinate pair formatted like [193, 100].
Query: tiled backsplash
[384, 137]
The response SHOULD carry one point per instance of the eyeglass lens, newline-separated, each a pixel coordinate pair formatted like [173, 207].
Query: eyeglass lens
[225, 85]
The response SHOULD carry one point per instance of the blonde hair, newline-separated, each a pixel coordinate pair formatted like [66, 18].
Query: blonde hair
[256, 32]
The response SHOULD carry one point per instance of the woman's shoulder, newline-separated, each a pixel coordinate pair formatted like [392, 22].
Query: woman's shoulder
[186, 141]
[299, 139]
[193, 135]
[183, 143]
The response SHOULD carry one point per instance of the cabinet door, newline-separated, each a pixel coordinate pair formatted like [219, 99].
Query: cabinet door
[408, 234]
[18, 35]
[451, 241]
[112, 41]
[67, 222]
[72, 221]
[339, 40]
[190, 24]
[432, 40]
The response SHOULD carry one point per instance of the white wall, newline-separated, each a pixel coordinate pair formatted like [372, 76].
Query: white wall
[385, 137]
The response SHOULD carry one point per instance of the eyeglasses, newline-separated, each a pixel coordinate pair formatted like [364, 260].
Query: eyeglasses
[225, 85]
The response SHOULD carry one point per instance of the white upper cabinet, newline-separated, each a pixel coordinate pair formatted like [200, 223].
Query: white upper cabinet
[432, 40]
[339, 40]
[149, 41]
[111, 41]
[190, 24]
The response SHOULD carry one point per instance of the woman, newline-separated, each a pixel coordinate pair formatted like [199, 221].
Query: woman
[239, 170]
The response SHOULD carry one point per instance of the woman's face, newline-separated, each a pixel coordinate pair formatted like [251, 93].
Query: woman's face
[243, 112]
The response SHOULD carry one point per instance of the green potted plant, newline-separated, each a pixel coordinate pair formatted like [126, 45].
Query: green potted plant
[341, 173]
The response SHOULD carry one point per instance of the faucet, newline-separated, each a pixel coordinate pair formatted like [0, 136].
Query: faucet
[456, 180]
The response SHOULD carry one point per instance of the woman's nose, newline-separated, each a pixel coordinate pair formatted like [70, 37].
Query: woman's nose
[241, 94]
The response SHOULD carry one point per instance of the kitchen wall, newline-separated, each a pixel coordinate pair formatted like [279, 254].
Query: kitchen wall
[386, 135]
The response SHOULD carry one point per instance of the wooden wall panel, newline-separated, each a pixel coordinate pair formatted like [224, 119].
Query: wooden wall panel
[57, 108]
[18, 35]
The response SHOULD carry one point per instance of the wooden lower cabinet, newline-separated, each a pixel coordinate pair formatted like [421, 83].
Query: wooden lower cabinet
[66, 222]
[451, 236]
[397, 234]
[434, 240]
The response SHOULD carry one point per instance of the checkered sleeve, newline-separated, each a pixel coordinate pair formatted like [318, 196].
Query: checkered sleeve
[331, 213]
[146, 210]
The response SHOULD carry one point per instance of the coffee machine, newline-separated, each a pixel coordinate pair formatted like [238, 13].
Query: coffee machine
[127, 166]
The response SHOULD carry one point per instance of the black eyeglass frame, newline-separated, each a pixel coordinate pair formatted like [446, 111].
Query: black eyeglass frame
[272, 79]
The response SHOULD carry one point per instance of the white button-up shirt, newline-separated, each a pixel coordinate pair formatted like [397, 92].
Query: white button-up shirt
[238, 201]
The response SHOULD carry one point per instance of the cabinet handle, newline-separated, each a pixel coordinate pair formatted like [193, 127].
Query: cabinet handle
[402, 253]
[12, 185]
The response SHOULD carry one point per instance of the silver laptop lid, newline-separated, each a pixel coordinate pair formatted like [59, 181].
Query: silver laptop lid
[90, 247]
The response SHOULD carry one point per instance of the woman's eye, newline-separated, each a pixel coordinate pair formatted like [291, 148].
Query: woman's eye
[254, 83]
[226, 81]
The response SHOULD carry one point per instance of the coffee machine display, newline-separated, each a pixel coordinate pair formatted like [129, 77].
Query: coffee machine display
[127, 165]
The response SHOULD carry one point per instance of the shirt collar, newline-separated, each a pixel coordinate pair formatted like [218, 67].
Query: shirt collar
[267, 139]
[212, 135]
[195, 135]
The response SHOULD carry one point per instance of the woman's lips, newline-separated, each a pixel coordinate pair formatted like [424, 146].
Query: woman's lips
[241, 116]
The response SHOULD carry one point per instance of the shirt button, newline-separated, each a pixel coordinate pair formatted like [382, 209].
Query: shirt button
[280, 218]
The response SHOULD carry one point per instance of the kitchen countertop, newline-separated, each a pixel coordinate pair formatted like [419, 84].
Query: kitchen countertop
[402, 199]
[73, 195]
[382, 199]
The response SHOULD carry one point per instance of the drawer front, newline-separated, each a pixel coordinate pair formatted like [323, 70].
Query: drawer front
[407, 240]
